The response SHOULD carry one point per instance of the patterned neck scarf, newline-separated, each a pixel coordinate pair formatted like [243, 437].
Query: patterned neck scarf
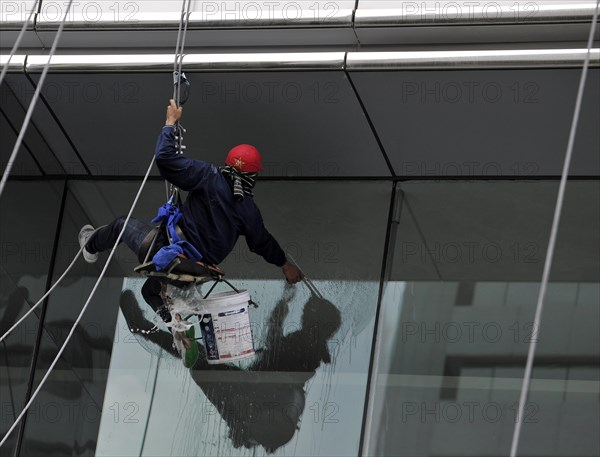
[242, 182]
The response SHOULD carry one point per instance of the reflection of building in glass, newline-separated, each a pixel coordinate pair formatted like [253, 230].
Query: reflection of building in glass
[459, 326]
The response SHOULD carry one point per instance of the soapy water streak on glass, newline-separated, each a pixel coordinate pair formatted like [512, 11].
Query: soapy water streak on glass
[301, 394]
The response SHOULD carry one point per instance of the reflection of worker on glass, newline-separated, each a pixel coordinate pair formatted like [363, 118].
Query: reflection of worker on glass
[90, 347]
[218, 209]
[262, 405]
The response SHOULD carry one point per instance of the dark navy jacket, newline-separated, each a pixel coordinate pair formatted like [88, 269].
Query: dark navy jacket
[212, 219]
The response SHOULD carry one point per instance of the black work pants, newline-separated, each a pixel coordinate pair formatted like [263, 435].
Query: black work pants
[134, 235]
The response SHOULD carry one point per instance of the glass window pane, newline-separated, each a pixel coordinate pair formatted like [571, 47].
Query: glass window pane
[565, 384]
[457, 318]
[67, 412]
[312, 356]
[27, 232]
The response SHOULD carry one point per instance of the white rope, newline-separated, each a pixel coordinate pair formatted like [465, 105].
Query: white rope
[18, 42]
[89, 299]
[43, 297]
[180, 45]
[36, 96]
[177, 69]
[552, 242]
[178, 42]
[179, 56]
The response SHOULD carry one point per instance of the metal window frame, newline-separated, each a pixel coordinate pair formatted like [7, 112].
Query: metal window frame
[314, 61]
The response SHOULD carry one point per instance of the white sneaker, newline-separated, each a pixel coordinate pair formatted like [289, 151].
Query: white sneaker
[84, 235]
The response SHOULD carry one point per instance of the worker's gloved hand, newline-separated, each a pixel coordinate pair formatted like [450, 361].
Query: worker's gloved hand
[173, 113]
[292, 273]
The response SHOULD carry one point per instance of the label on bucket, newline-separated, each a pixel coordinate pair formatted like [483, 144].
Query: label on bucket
[208, 334]
[233, 312]
[233, 334]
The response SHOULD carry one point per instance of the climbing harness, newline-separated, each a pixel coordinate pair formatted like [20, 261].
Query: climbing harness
[182, 272]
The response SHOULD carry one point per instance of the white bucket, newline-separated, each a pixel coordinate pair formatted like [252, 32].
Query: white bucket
[225, 326]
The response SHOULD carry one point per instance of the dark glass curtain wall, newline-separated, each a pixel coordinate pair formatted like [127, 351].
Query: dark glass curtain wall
[463, 261]
[457, 319]
[421, 214]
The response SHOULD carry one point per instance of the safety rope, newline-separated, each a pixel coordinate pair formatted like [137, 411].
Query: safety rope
[36, 96]
[178, 80]
[180, 46]
[18, 41]
[552, 241]
[43, 297]
[89, 299]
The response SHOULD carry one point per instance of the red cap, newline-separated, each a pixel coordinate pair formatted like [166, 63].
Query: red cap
[245, 158]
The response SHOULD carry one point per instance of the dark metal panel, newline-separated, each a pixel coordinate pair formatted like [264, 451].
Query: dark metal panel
[164, 40]
[13, 14]
[227, 14]
[8, 38]
[482, 123]
[336, 38]
[152, 24]
[16, 95]
[53, 150]
[25, 165]
[443, 22]
[472, 59]
[507, 35]
[497, 231]
[305, 123]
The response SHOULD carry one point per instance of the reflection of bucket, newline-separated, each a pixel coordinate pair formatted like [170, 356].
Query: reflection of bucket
[225, 326]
